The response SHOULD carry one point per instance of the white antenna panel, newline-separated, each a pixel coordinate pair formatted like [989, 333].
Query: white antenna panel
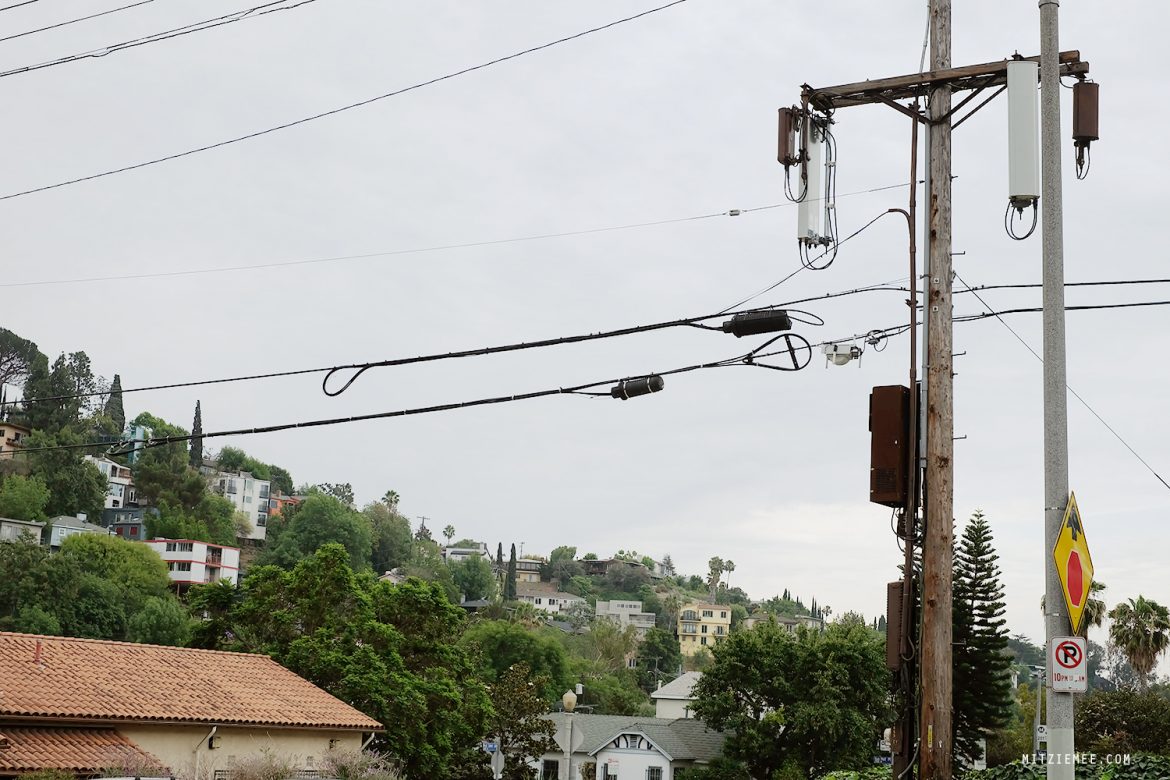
[1023, 133]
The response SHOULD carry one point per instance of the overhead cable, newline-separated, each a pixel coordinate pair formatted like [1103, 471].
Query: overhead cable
[361, 368]
[795, 349]
[438, 248]
[1076, 395]
[187, 29]
[75, 21]
[338, 110]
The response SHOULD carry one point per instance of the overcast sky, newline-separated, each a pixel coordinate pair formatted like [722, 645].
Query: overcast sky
[669, 116]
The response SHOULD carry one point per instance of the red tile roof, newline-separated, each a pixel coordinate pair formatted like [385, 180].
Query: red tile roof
[78, 750]
[88, 679]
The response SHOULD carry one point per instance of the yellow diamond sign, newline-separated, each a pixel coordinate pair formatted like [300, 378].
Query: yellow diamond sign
[1073, 563]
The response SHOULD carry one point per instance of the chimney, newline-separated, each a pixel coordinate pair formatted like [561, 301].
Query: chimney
[81, 516]
[37, 655]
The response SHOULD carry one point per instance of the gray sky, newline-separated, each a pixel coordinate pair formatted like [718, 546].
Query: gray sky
[669, 116]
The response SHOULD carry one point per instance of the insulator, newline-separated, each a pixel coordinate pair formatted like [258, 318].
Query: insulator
[643, 385]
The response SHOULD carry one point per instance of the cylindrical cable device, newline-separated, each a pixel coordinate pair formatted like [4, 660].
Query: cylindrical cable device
[643, 385]
[1085, 114]
[756, 322]
[788, 148]
[1023, 134]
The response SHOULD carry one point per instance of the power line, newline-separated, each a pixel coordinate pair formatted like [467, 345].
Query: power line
[1076, 395]
[421, 250]
[75, 21]
[751, 359]
[18, 5]
[338, 110]
[361, 368]
[187, 29]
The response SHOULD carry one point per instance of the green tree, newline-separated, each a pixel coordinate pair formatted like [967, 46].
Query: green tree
[426, 563]
[98, 611]
[388, 650]
[714, 575]
[518, 724]
[161, 621]
[17, 356]
[389, 537]
[510, 577]
[195, 454]
[319, 520]
[114, 411]
[499, 644]
[282, 480]
[135, 570]
[982, 666]
[23, 498]
[70, 376]
[342, 491]
[449, 533]
[473, 576]
[562, 566]
[615, 693]
[163, 474]
[74, 485]
[1141, 629]
[212, 605]
[807, 701]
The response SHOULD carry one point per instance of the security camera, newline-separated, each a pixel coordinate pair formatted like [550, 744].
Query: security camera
[840, 354]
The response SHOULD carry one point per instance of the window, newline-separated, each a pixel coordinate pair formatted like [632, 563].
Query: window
[632, 663]
[552, 602]
[186, 547]
[704, 628]
[723, 615]
[708, 613]
[718, 629]
[538, 599]
[653, 773]
[704, 640]
[247, 499]
[118, 531]
[179, 566]
[550, 769]
[133, 530]
[170, 546]
[262, 520]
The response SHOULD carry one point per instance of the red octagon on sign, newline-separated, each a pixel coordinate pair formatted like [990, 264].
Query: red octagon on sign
[1076, 587]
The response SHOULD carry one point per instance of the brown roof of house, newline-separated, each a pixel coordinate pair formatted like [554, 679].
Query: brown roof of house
[78, 750]
[89, 679]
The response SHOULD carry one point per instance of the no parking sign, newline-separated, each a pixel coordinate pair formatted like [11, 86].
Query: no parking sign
[1068, 658]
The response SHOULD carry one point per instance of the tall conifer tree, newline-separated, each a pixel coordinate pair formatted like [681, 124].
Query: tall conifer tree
[114, 409]
[982, 667]
[196, 454]
[510, 581]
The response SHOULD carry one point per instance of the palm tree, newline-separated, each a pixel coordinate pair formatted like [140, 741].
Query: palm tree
[391, 500]
[1141, 629]
[449, 533]
[729, 567]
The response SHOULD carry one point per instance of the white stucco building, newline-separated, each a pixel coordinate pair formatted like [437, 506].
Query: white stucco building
[120, 490]
[64, 526]
[626, 613]
[248, 494]
[545, 597]
[192, 562]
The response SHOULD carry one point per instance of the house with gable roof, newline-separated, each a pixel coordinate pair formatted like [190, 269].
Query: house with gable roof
[81, 705]
[631, 746]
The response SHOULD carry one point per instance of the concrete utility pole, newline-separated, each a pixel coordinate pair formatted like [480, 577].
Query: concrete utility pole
[937, 670]
[1056, 621]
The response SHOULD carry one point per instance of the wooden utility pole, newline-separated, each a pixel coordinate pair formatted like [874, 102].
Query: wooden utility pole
[936, 669]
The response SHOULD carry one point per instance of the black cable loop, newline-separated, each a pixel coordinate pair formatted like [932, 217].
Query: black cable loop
[1008, 221]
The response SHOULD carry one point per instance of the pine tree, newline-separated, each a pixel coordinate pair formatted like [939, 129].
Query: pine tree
[196, 453]
[982, 678]
[500, 562]
[114, 409]
[510, 577]
[881, 624]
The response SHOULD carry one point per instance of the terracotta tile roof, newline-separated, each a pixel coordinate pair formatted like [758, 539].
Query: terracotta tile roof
[79, 750]
[89, 679]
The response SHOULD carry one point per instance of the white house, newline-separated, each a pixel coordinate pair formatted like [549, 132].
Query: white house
[546, 597]
[626, 613]
[120, 481]
[12, 530]
[62, 527]
[248, 494]
[191, 562]
[458, 554]
[674, 699]
[629, 747]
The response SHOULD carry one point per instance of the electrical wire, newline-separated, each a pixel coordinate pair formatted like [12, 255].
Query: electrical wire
[361, 368]
[75, 21]
[803, 266]
[751, 359]
[421, 250]
[187, 29]
[1076, 395]
[18, 5]
[333, 111]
